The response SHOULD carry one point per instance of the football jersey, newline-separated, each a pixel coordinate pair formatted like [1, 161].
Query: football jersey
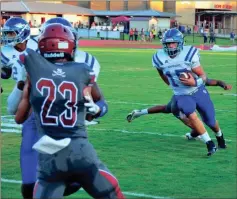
[185, 61]
[10, 56]
[84, 57]
[57, 95]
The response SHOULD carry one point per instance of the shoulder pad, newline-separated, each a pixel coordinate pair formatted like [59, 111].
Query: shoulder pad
[190, 52]
[157, 59]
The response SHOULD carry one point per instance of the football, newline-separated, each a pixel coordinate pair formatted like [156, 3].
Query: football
[184, 75]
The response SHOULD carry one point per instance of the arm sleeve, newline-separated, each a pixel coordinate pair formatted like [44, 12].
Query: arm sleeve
[13, 100]
[5, 61]
[90, 60]
[156, 61]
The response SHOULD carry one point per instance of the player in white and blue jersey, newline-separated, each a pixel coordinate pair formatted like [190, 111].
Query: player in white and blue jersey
[175, 61]
[180, 68]
[167, 109]
[15, 40]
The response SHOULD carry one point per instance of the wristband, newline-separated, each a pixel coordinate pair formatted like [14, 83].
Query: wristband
[199, 81]
[103, 107]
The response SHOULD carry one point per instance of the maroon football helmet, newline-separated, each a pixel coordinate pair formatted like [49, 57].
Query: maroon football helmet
[57, 41]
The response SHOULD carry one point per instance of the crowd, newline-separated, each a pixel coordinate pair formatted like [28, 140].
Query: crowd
[145, 35]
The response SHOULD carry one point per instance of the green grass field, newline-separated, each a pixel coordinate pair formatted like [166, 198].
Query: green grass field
[149, 156]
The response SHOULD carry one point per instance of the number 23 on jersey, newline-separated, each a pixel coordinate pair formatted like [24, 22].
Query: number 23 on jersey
[68, 117]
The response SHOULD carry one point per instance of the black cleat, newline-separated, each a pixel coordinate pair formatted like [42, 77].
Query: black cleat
[221, 142]
[211, 148]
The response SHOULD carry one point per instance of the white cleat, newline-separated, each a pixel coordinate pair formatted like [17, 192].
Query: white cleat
[189, 137]
[133, 115]
[87, 123]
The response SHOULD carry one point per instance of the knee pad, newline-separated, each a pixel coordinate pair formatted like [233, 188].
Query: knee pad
[27, 190]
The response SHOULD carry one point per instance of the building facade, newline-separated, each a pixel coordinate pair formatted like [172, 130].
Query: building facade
[187, 10]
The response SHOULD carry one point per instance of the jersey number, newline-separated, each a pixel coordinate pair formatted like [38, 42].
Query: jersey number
[177, 73]
[68, 117]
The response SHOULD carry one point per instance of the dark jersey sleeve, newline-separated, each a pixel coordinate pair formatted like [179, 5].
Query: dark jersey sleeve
[89, 76]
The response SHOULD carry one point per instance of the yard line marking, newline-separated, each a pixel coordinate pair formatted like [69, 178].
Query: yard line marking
[144, 132]
[142, 195]
[126, 193]
[116, 130]
[231, 94]
[14, 125]
[17, 128]
[11, 181]
[137, 103]
[10, 131]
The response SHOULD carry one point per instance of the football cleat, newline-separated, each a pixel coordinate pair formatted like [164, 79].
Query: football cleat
[189, 137]
[133, 115]
[211, 148]
[221, 142]
[89, 123]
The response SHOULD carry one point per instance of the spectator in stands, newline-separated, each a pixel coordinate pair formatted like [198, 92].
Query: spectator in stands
[143, 35]
[135, 34]
[160, 34]
[147, 35]
[205, 36]
[212, 37]
[151, 36]
[189, 30]
[30, 24]
[232, 36]
[154, 33]
[131, 34]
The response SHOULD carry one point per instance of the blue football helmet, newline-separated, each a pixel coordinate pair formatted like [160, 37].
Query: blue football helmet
[19, 30]
[173, 35]
[62, 21]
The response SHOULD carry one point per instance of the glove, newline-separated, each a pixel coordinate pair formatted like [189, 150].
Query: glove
[18, 71]
[133, 115]
[92, 108]
[6, 72]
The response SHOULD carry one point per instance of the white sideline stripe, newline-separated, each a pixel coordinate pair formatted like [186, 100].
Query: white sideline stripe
[144, 132]
[232, 94]
[114, 130]
[126, 193]
[142, 195]
[11, 181]
[11, 125]
[11, 131]
[142, 104]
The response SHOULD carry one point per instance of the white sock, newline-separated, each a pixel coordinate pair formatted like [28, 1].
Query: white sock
[144, 111]
[205, 137]
[219, 133]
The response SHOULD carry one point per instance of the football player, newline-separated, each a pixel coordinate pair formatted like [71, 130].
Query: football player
[167, 109]
[190, 93]
[16, 38]
[58, 90]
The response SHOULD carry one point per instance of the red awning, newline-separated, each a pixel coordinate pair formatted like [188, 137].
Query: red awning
[120, 19]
